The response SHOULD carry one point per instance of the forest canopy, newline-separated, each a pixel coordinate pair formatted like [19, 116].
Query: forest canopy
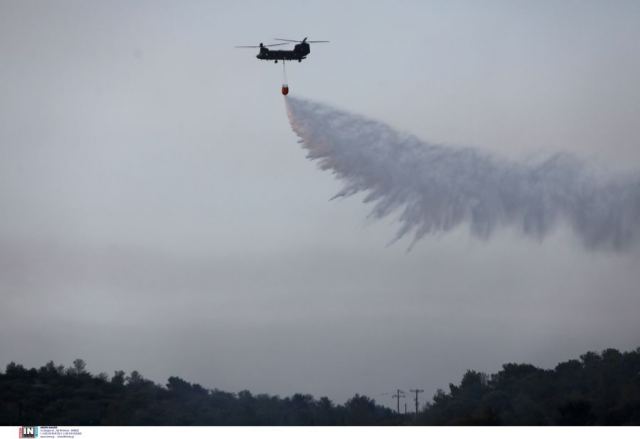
[596, 389]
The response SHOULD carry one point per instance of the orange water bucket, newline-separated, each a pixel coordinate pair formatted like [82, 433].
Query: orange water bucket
[285, 89]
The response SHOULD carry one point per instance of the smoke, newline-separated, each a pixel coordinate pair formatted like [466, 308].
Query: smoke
[435, 188]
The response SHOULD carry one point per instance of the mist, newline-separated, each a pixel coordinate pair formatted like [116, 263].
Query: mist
[435, 188]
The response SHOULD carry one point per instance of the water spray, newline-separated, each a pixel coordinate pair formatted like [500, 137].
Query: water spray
[436, 188]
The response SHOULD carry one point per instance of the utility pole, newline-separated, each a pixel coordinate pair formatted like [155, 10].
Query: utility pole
[399, 394]
[416, 391]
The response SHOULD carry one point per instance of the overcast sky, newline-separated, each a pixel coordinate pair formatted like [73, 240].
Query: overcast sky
[157, 213]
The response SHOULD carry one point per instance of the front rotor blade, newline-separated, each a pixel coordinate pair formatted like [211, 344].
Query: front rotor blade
[247, 47]
[277, 44]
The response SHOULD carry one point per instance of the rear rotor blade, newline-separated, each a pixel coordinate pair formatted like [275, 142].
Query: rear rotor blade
[318, 41]
[264, 45]
[290, 41]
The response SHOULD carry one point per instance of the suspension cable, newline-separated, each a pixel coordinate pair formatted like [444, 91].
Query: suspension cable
[284, 73]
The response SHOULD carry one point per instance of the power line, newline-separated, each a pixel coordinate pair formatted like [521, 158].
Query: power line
[399, 394]
[416, 391]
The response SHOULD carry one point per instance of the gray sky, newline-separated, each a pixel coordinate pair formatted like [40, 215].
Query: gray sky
[158, 214]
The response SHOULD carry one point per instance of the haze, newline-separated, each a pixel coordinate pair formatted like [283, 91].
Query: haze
[158, 214]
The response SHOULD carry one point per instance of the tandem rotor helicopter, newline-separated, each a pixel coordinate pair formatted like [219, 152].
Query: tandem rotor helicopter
[300, 51]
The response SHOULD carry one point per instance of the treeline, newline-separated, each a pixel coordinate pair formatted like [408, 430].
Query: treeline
[55, 395]
[597, 389]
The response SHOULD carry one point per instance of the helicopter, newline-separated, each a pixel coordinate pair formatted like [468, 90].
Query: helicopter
[299, 52]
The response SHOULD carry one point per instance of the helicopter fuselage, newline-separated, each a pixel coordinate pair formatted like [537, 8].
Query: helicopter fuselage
[299, 52]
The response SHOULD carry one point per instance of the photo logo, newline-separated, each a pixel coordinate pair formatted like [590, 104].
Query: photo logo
[28, 432]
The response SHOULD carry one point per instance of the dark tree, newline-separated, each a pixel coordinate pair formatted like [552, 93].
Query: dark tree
[598, 389]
